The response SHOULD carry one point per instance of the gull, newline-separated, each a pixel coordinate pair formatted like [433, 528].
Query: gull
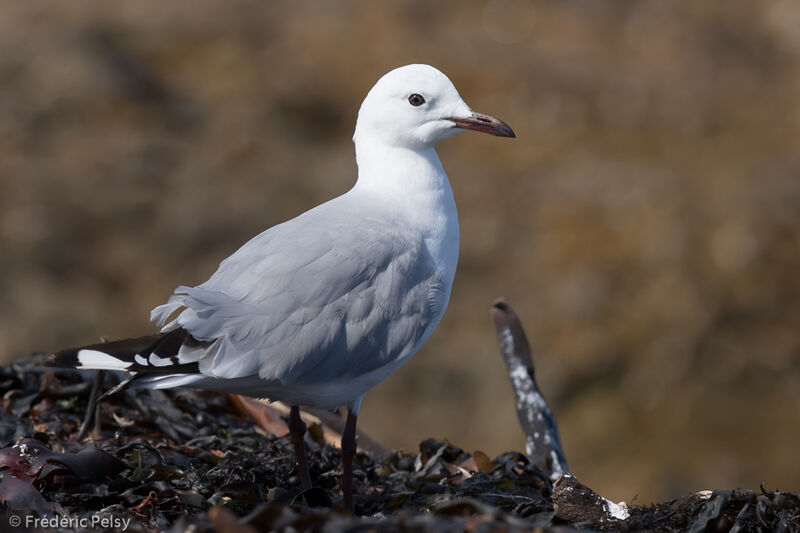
[321, 308]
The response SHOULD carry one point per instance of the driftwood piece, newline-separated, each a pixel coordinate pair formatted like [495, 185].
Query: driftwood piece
[542, 442]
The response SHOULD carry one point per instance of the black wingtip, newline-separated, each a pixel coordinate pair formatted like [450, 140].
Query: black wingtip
[150, 354]
[63, 359]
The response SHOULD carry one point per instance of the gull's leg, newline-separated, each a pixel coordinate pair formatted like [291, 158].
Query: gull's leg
[93, 408]
[297, 428]
[348, 451]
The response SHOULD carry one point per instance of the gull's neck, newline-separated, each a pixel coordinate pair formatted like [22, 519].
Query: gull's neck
[413, 182]
[400, 171]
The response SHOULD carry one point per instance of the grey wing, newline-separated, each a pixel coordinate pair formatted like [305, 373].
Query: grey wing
[313, 302]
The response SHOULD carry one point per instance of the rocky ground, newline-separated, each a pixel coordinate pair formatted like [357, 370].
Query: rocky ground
[186, 460]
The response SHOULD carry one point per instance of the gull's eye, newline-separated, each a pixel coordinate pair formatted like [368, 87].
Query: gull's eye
[416, 100]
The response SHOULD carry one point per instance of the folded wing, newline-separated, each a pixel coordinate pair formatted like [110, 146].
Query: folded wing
[311, 303]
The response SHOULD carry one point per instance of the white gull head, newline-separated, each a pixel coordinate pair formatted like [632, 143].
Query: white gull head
[415, 107]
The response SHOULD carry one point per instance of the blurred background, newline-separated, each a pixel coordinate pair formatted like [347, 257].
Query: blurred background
[645, 223]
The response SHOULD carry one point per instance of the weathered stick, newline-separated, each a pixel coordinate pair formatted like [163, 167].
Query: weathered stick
[542, 443]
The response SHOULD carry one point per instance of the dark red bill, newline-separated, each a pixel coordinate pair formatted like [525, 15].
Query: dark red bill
[485, 124]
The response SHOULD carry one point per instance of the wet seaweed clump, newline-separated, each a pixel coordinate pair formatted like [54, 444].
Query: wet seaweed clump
[179, 459]
[170, 459]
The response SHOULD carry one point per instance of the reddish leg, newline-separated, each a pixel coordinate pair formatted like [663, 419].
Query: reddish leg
[348, 451]
[297, 428]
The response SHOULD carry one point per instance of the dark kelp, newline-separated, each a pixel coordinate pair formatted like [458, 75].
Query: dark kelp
[179, 459]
